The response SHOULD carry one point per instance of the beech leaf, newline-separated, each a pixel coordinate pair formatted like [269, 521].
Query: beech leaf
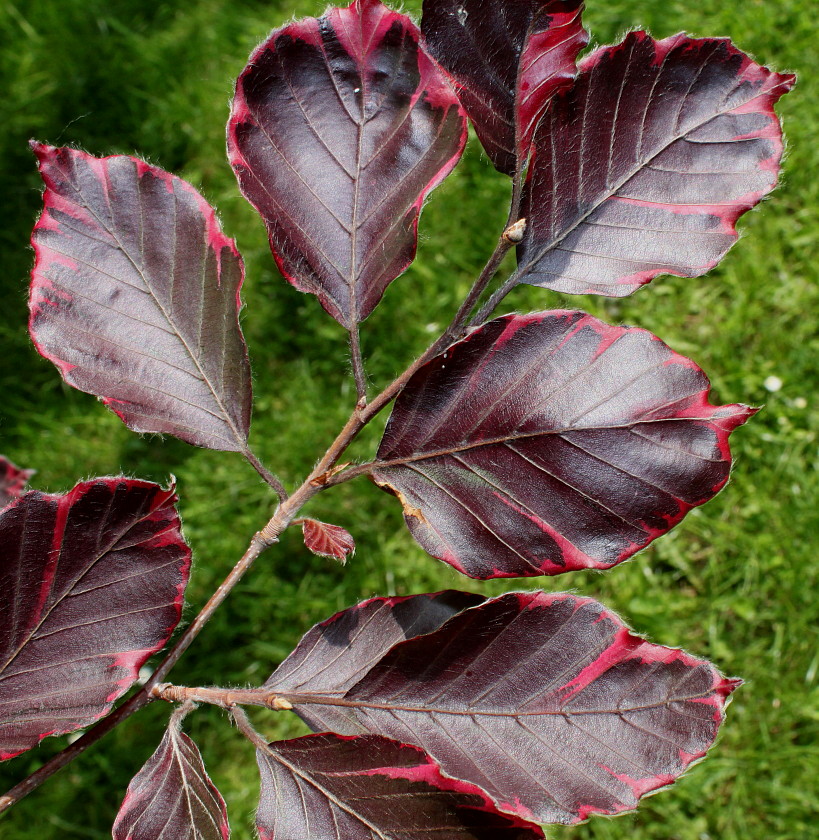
[644, 166]
[545, 701]
[508, 60]
[325, 787]
[336, 654]
[340, 127]
[172, 796]
[551, 442]
[327, 540]
[13, 480]
[92, 583]
[135, 297]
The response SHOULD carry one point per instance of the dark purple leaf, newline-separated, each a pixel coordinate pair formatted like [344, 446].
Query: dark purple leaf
[337, 653]
[644, 166]
[340, 126]
[327, 540]
[547, 702]
[172, 796]
[92, 584]
[508, 60]
[13, 480]
[551, 442]
[325, 787]
[135, 297]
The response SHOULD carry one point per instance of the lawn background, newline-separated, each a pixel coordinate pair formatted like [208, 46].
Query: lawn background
[736, 582]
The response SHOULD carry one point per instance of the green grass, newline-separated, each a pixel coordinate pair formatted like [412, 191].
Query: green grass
[736, 582]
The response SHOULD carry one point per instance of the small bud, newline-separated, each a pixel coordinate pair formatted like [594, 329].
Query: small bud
[327, 540]
[514, 233]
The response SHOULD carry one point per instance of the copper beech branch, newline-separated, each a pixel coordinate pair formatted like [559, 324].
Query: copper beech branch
[325, 474]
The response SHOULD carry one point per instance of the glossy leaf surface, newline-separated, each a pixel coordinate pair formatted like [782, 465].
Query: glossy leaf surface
[551, 442]
[644, 166]
[340, 126]
[334, 655]
[324, 787]
[135, 297]
[509, 59]
[327, 540]
[547, 702]
[13, 480]
[172, 796]
[92, 584]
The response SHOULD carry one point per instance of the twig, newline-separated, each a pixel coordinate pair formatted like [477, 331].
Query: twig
[350, 473]
[505, 243]
[227, 698]
[514, 217]
[456, 328]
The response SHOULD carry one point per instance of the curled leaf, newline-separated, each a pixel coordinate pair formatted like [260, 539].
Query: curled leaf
[508, 59]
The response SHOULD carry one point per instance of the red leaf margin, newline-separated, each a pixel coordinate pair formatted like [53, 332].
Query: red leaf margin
[772, 86]
[628, 645]
[433, 84]
[130, 661]
[40, 284]
[722, 419]
[768, 86]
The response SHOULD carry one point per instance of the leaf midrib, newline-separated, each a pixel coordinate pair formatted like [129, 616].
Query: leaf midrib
[464, 447]
[330, 700]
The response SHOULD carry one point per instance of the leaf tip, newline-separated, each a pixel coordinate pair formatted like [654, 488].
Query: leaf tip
[40, 150]
[728, 685]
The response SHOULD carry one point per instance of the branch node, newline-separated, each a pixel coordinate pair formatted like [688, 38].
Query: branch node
[157, 692]
[321, 480]
[169, 692]
[267, 536]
